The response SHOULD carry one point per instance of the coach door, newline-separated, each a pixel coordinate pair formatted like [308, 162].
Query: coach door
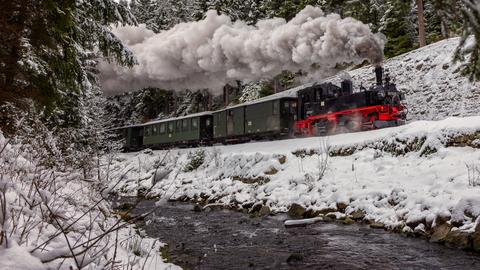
[230, 122]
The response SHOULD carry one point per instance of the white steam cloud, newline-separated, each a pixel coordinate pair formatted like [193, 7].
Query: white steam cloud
[215, 51]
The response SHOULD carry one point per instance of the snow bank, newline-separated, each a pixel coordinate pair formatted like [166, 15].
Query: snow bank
[17, 257]
[401, 188]
[52, 219]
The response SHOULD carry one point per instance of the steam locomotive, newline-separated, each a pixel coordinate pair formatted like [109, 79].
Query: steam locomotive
[314, 110]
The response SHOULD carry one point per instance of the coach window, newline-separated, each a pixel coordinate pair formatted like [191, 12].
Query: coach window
[154, 130]
[170, 127]
[185, 124]
[162, 128]
[318, 93]
[207, 122]
[147, 131]
[194, 123]
[275, 107]
[178, 126]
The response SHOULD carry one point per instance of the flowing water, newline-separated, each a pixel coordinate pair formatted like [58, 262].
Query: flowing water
[225, 239]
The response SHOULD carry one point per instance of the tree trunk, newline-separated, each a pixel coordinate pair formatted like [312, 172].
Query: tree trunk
[226, 93]
[444, 28]
[421, 24]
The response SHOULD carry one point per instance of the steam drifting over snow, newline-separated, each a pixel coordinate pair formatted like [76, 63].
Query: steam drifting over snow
[214, 51]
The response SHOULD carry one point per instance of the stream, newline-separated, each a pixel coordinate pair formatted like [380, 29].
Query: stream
[226, 239]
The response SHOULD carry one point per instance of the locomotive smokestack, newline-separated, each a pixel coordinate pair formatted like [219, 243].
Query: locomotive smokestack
[379, 75]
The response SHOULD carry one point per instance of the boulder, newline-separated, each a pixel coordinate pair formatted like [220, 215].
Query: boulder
[328, 219]
[420, 230]
[476, 238]
[310, 213]
[296, 210]
[282, 159]
[457, 222]
[441, 219]
[325, 211]
[348, 221]
[440, 232]
[377, 225]
[247, 205]
[358, 215]
[214, 206]
[197, 208]
[256, 208]
[458, 239]
[341, 206]
[264, 211]
[294, 257]
[332, 216]
[414, 223]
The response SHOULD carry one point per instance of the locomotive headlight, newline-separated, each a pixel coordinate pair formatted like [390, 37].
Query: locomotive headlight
[381, 94]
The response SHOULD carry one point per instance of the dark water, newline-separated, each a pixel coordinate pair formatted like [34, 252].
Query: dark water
[223, 239]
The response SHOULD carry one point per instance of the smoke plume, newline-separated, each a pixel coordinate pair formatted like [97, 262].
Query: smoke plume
[215, 51]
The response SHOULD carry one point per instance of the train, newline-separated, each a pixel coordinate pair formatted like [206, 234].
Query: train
[310, 110]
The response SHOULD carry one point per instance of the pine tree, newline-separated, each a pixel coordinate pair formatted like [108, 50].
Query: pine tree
[160, 15]
[46, 55]
[37, 59]
[395, 24]
[147, 12]
[445, 16]
[468, 52]
[369, 12]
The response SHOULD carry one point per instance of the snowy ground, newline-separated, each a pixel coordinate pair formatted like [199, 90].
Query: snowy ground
[52, 219]
[403, 177]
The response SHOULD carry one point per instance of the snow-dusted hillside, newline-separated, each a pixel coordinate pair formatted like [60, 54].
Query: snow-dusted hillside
[409, 178]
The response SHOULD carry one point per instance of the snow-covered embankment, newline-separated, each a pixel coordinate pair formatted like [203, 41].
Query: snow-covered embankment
[56, 218]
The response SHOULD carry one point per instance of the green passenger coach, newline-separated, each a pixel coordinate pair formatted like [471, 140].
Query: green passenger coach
[272, 118]
[265, 119]
[229, 122]
[188, 130]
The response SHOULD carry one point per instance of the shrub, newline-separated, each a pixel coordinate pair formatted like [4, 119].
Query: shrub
[196, 159]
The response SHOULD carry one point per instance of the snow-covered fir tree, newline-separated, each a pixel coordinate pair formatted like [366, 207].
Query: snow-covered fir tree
[468, 51]
[53, 74]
